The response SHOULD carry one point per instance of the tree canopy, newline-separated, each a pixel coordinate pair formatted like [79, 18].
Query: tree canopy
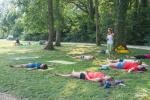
[77, 20]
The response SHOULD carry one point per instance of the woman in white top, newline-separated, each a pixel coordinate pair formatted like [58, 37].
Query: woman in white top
[110, 35]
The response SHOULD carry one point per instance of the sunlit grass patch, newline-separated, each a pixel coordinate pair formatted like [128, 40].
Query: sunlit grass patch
[100, 62]
[94, 68]
[5, 50]
[142, 94]
[80, 50]
[62, 62]
[44, 85]
[6, 43]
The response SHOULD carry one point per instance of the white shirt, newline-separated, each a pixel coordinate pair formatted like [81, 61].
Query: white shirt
[110, 39]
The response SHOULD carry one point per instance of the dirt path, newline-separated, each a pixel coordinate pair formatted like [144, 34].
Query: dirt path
[4, 96]
[139, 47]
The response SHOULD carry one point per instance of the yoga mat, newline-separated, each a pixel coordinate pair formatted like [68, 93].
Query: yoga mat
[62, 62]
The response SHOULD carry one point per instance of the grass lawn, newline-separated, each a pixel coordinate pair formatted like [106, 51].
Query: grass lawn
[44, 85]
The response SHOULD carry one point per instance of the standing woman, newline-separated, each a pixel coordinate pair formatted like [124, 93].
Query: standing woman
[110, 41]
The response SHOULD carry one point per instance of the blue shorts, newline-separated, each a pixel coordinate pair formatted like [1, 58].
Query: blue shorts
[33, 65]
[120, 65]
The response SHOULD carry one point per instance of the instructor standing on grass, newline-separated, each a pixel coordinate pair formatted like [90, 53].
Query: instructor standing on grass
[110, 41]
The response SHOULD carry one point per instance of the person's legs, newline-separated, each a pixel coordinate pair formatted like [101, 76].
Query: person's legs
[120, 65]
[73, 74]
[139, 57]
[104, 67]
[114, 65]
[19, 66]
[65, 75]
[109, 47]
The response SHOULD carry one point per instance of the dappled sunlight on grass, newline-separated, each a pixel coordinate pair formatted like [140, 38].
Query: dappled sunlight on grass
[78, 44]
[100, 62]
[23, 50]
[2, 51]
[80, 50]
[142, 94]
[6, 43]
[62, 62]
[92, 69]
[11, 53]
[69, 88]
[40, 84]
[12, 50]
[25, 57]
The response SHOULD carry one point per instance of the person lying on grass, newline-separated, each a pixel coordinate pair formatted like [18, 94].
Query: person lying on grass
[121, 60]
[87, 75]
[84, 57]
[129, 66]
[145, 56]
[31, 66]
[100, 77]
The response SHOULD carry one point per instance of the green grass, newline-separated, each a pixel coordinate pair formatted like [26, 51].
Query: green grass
[37, 85]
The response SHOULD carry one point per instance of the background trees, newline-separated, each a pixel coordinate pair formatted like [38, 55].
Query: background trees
[78, 20]
[121, 7]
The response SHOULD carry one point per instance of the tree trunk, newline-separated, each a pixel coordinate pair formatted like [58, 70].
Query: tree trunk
[120, 26]
[90, 16]
[49, 45]
[58, 24]
[97, 23]
[142, 18]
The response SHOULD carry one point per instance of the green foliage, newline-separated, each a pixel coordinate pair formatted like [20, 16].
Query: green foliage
[30, 16]
[138, 22]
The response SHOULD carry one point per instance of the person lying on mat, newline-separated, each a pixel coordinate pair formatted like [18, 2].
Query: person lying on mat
[84, 57]
[31, 66]
[127, 65]
[144, 56]
[88, 75]
[100, 77]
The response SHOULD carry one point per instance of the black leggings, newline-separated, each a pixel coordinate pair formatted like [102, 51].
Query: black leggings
[140, 57]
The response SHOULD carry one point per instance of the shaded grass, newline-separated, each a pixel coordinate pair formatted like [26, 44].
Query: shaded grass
[37, 85]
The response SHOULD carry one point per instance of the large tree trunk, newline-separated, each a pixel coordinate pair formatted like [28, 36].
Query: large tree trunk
[120, 26]
[49, 45]
[142, 19]
[58, 24]
[97, 23]
[90, 16]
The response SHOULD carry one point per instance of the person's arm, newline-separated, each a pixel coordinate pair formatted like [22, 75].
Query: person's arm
[65, 75]
[87, 77]
[95, 79]
[113, 61]
[113, 34]
[31, 68]
[131, 70]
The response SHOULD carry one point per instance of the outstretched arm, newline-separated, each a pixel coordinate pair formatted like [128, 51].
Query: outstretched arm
[95, 79]
[65, 75]
[130, 70]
